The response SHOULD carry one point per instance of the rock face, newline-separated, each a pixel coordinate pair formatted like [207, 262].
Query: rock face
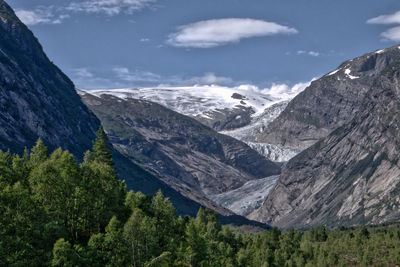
[352, 176]
[328, 102]
[188, 156]
[36, 98]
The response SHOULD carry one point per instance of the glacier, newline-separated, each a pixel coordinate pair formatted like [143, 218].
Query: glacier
[247, 198]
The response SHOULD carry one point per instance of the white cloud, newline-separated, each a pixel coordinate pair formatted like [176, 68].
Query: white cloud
[310, 53]
[392, 34]
[41, 15]
[109, 7]
[31, 17]
[82, 73]
[314, 53]
[56, 15]
[280, 90]
[208, 79]
[216, 32]
[136, 75]
[386, 19]
[145, 40]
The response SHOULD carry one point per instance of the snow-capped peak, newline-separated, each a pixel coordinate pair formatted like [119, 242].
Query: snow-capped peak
[202, 100]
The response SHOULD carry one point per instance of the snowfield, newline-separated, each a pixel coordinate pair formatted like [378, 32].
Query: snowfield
[198, 100]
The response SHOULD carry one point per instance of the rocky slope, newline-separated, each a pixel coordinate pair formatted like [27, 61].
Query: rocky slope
[328, 102]
[37, 99]
[353, 175]
[238, 112]
[190, 157]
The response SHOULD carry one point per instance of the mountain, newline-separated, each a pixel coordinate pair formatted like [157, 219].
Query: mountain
[351, 177]
[220, 108]
[37, 99]
[187, 155]
[328, 102]
[239, 112]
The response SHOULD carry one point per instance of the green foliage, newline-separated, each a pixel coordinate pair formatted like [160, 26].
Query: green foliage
[102, 148]
[56, 212]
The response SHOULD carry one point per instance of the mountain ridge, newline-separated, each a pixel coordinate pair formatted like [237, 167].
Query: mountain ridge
[192, 158]
[328, 102]
[351, 177]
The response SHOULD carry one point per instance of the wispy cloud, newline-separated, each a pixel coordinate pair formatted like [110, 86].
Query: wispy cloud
[216, 32]
[386, 19]
[57, 14]
[109, 7]
[128, 75]
[208, 79]
[392, 34]
[86, 78]
[123, 77]
[82, 73]
[41, 15]
[309, 53]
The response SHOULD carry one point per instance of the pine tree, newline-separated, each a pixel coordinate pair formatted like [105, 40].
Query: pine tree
[102, 148]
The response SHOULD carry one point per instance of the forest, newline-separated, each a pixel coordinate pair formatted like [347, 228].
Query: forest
[55, 211]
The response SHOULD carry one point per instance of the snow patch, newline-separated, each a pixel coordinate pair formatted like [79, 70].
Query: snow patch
[247, 198]
[380, 51]
[333, 72]
[347, 72]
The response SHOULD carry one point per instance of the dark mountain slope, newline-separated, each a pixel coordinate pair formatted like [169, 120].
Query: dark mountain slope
[36, 98]
[328, 102]
[350, 177]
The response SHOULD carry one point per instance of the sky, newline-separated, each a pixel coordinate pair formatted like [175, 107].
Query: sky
[259, 43]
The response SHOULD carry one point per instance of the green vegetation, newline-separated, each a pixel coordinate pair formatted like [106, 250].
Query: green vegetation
[56, 212]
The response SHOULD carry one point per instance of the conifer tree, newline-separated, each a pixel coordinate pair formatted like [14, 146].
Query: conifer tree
[102, 148]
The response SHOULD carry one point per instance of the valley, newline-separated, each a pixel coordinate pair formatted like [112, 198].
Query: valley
[177, 168]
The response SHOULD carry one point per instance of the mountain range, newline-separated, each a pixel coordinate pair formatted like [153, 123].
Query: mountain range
[189, 156]
[39, 101]
[325, 157]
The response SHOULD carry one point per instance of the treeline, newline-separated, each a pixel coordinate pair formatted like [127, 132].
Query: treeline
[57, 212]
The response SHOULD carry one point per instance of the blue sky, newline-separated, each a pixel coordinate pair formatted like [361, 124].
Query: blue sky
[139, 43]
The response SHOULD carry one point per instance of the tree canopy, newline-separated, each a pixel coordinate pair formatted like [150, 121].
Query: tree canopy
[58, 212]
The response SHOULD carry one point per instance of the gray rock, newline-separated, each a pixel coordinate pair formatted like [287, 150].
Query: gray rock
[190, 157]
[37, 99]
[352, 176]
[328, 102]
